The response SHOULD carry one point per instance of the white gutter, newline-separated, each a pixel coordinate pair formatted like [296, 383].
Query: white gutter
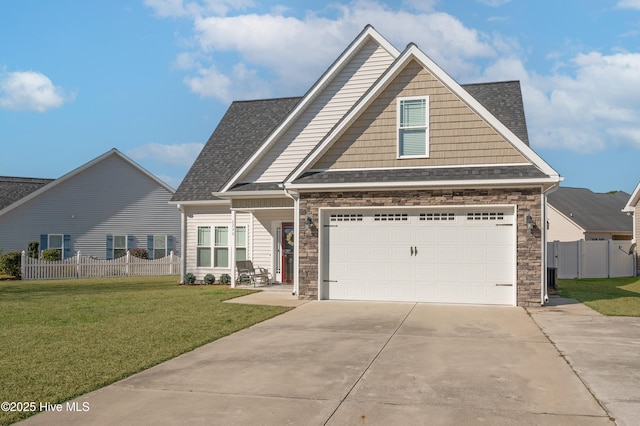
[296, 243]
[438, 184]
[183, 242]
[544, 296]
[250, 194]
[199, 203]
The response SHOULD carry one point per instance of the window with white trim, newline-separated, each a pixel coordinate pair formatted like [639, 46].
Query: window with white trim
[413, 127]
[241, 243]
[221, 247]
[56, 242]
[203, 257]
[159, 246]
[119, 246]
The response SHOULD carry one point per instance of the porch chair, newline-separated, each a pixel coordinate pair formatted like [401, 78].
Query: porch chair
[247, 272]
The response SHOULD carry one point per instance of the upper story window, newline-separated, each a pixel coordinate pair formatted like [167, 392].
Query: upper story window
[413, 127]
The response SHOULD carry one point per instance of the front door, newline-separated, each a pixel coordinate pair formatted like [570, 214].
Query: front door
[288, 235]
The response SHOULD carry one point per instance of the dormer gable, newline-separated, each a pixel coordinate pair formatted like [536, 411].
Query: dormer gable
[460, 131]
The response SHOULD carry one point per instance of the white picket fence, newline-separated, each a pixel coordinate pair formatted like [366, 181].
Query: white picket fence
[80, 266]
[591, 259]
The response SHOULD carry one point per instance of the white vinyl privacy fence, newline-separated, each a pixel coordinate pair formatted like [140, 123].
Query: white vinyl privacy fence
[591, 259]
[80, 266]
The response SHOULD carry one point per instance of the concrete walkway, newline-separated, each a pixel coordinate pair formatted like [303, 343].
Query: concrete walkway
[603, 351]
[344, 363]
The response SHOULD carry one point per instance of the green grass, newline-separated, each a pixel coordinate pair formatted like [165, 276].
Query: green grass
[609, 296]
[61, 339]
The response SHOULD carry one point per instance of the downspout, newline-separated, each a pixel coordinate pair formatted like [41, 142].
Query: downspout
[296, 232]
[543, 225]
[183, 242]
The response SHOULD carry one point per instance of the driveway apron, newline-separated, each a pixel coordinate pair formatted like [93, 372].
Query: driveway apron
[341, 363]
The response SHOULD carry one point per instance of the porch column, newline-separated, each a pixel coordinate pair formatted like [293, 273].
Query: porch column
[232, 249]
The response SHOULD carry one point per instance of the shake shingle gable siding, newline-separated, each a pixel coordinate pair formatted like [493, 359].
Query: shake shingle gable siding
[244, 127]
[13, 189]
[246, 124]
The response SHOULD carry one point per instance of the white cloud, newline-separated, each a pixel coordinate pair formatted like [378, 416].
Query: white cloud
[493, 3]
[30, 91]
[628, 4]
[173, 155]
[585, 104]
[589, 106]
[295, 51]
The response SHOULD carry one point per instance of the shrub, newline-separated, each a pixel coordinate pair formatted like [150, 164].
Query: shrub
[209, 279]
[33, 249]
[140, 253]
[189, 278]
[225, 279]
[51, 255]
[10, 263]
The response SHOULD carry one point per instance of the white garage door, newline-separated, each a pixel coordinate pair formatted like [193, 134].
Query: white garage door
[444, 255]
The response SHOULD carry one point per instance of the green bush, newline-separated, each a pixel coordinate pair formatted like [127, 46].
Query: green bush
[209, 279]
[225, 279]
[189, 278]
[140, 253]
[33, 249]
[51, 255]
[10, 263]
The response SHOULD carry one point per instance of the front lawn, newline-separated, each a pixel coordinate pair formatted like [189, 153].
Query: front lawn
[61, 339]
[609, 296]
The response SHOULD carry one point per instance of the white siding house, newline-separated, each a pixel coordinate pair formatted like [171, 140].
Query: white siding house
[100, 209]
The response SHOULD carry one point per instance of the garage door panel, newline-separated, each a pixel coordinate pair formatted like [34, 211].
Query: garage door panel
[448, 257]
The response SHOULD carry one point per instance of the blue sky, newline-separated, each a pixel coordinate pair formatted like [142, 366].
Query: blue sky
[152, 78]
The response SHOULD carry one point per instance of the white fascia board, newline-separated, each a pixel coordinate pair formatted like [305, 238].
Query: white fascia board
[367, 33]
[250, 194]
[413, 52]
[81, 169]
[633, 200]
[492, 183]
[200, 203]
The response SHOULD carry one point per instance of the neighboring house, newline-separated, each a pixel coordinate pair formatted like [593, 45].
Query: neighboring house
[101, 209]
[633, 208]
[580, 214]
[386, 181]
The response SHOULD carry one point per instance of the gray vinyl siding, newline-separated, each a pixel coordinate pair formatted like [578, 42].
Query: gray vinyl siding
[110, 197]
[322, 114]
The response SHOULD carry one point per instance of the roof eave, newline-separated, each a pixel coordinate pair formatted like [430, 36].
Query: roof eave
[493, 183]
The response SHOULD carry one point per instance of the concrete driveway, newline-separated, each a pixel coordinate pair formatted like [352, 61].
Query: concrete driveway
[604, 352]
[343, 363]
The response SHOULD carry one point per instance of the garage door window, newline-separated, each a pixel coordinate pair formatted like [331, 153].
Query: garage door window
[485, 216]
[391, 217]
[435, 217]
[346, 218]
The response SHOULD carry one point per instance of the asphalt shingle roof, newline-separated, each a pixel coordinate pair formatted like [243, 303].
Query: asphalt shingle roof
[593, 211]
[422, 175]
[13, 189]
[246, 124]
[244, 127]
[503, 100]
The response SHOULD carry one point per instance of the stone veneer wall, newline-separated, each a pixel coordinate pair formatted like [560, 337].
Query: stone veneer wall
[529, 242]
